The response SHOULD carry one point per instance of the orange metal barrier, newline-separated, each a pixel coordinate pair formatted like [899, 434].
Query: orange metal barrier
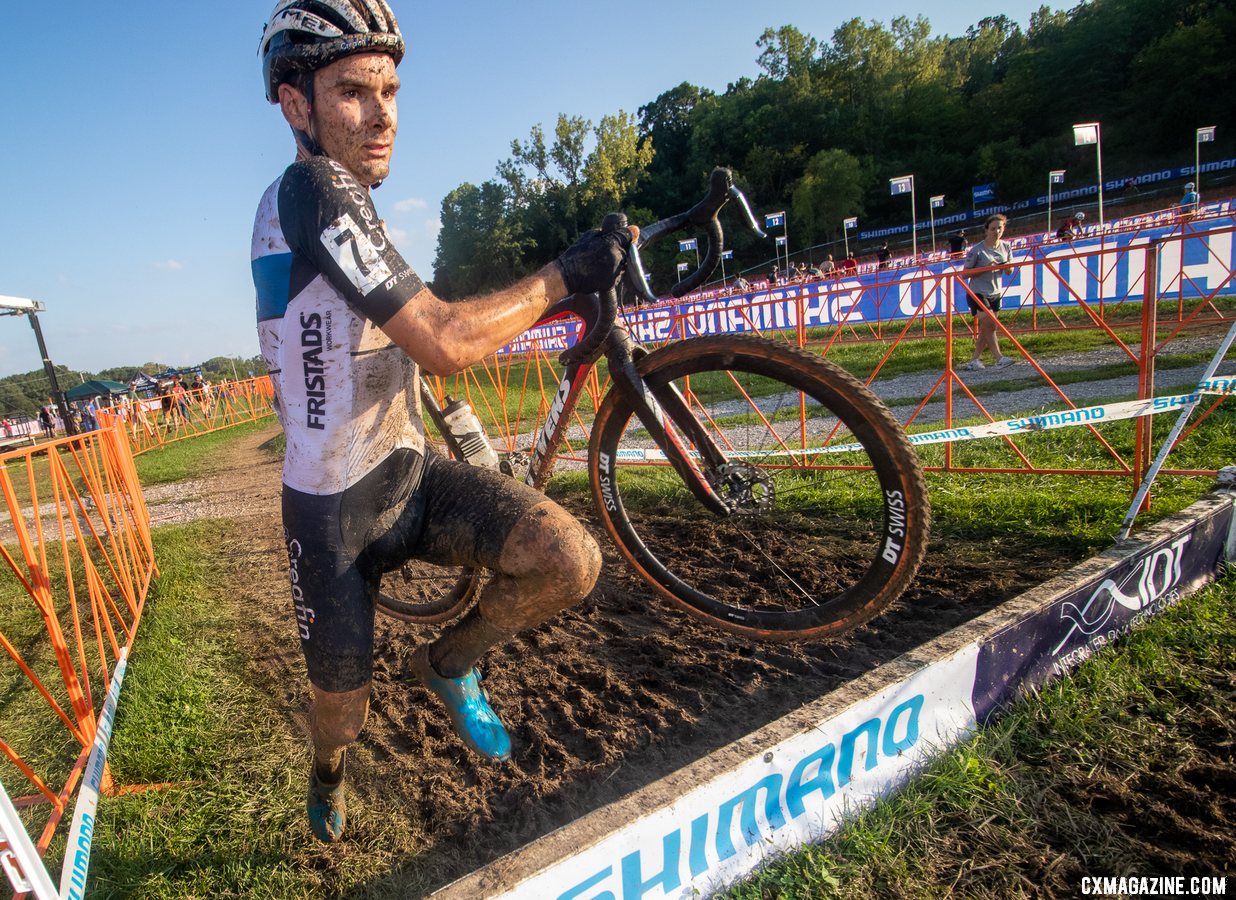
[164, 420]
[76, 537]
[511, 393]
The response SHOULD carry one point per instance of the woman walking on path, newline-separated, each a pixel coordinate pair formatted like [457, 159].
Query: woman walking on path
[986, 291]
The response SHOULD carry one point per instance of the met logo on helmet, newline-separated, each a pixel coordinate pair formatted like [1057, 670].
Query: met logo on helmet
[301, 20]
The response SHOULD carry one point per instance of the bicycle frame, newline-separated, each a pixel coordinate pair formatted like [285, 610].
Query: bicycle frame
[664, 412]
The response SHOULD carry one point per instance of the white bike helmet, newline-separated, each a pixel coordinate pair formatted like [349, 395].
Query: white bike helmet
[302, 36]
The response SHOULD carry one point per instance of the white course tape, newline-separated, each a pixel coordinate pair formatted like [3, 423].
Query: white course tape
[81, 832]
[1107, 412]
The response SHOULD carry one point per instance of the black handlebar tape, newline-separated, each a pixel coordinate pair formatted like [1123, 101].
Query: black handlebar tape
[597, 326]
[719, 184]
[712, 255]
[615, 221]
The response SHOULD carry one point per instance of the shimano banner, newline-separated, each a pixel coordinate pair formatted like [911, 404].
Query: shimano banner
[1191, 268]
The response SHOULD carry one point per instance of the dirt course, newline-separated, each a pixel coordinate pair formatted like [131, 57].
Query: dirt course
[600, 702]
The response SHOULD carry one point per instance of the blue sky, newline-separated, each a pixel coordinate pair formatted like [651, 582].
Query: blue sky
[137, 141]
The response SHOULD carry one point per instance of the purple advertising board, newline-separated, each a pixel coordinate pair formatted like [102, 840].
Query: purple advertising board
[1096, 612]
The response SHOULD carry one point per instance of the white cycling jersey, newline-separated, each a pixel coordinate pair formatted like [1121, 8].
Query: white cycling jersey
[327, 277]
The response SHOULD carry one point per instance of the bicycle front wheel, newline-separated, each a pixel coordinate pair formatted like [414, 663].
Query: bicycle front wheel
[828, 512]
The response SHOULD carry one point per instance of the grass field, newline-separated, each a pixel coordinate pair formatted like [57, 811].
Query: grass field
[229, 819]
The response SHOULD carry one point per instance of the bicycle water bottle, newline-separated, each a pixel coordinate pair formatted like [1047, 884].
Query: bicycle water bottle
[468, 435]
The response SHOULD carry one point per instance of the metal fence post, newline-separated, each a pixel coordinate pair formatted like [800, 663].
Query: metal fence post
[1150, 317]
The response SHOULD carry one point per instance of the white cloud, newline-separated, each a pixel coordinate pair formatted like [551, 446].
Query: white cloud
[398, 235]
[410, 204]
[170, 265]
[432, 227]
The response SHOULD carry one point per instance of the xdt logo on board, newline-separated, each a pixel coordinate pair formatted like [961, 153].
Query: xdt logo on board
[1154, 577]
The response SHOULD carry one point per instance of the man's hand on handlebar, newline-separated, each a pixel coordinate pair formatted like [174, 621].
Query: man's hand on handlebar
[593, 263]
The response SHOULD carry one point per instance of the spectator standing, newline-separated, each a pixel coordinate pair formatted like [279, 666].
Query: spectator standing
[986, 291]
[957, 244]
[164, 393]
[774, 277]
[180, 398]
[46, 423]
[884, 256]
[1189, 202]
[741, 285]
[828, 267]
[849, 265]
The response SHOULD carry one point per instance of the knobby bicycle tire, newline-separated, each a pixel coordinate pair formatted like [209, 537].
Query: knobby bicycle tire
[832, 511]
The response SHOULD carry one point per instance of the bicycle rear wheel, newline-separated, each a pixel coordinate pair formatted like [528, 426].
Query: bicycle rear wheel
[829, 512]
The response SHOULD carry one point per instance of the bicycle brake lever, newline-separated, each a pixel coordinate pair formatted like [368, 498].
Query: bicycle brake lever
[737, 195]
[636, 277]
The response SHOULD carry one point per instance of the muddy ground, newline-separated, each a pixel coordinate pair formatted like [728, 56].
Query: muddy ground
[601, 702]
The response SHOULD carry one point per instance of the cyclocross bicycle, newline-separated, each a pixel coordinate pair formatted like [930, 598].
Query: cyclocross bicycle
[758, 487]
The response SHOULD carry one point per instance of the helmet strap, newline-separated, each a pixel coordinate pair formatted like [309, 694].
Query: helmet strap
[306, 144]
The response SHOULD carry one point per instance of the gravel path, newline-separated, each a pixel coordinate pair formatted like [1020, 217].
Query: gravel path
[904, 392]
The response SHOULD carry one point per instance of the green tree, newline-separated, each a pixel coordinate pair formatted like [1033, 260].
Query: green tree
[481, 245]
[617, 163]
[830, 190]
[786, 53]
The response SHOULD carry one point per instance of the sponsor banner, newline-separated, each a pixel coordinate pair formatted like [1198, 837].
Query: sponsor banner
[1053, 640]
[781, 797]
[81, 832]
[1195, 267]
[983, 193]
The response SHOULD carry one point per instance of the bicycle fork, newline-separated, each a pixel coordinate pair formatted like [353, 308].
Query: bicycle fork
[667, 416]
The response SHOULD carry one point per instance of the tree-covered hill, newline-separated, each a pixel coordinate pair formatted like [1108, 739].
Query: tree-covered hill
[828, 122]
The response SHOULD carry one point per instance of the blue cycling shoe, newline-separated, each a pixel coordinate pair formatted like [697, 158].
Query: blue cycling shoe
[328, 812]
[471, 715]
